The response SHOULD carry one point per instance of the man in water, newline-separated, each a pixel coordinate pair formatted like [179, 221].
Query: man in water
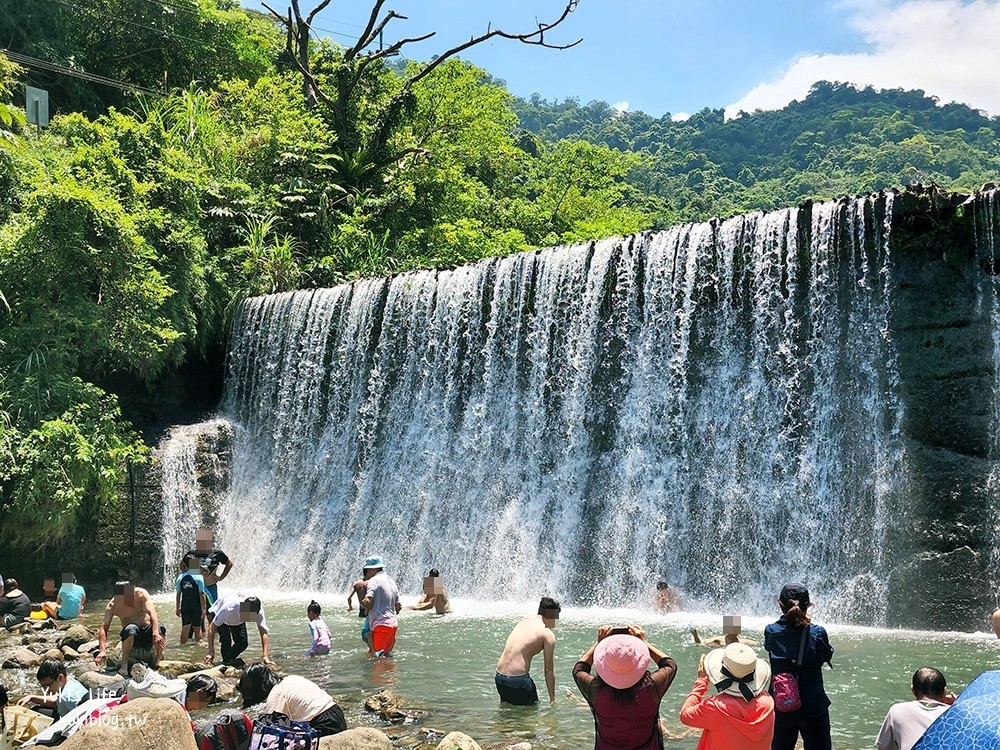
[211, 558]
[528, 637]
[140, 626]
[906, 722]
[667, 598]
[435, 595]
[382, 604]
[230, 616]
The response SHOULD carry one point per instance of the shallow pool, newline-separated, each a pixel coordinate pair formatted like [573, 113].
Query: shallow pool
[445, 664]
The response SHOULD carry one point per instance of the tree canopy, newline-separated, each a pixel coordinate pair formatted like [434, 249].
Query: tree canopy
[271, 161]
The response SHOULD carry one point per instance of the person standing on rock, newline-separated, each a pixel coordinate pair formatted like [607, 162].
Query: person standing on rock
[230, 615]
[382, 604]
[211, 558]
[526, 640]
[141, 627]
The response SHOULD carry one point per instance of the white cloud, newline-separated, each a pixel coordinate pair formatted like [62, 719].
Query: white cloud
[948, 48]
[681, 116]
[620, 107]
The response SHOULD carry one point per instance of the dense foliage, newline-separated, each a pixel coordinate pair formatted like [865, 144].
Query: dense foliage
[131, 227]
[839, 140]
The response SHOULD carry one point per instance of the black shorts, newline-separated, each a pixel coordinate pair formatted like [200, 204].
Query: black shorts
[519, 690]
[191, 616]
[329, 722]
[143, 634]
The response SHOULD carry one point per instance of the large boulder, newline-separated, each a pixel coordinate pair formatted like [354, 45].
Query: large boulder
[458, 741]
[360, 738]
[75, 637]
[143, 723]
[22, 658]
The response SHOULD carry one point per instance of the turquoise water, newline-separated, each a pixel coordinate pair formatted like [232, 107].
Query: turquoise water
[445, 665]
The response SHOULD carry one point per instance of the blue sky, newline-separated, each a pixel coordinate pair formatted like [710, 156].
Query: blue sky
[679, 56]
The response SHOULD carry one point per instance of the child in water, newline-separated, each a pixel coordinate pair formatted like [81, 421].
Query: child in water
[319, 630]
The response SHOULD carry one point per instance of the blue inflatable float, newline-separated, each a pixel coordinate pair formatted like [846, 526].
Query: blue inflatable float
[973, 723]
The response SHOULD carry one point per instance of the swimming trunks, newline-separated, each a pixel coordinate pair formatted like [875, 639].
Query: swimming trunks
[383, 640]
[519, 690]
[143, 634]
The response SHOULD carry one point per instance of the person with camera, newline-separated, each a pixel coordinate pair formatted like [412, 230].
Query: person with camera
[624, 697]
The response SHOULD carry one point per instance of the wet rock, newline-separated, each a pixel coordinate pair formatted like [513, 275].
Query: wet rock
[88, 647]
[53, 653]
[360, 738]
[383, 701]
[70, 654]
[94, 679]
[22, 658]
[141, 723]
[389, 706]
[172, 669]
[458, 741]
[75, 637]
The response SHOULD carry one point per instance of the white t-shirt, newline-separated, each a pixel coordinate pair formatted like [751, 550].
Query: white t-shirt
[385, 595]
[226, 611]
[298, 698]
[906, 723]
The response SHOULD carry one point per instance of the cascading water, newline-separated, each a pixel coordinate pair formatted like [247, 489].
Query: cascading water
[192, 477]
[716, 404]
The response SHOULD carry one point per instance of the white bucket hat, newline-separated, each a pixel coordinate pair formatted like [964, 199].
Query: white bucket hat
[736, 670]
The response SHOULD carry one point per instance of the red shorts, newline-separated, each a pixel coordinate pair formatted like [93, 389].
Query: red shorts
[383, 639]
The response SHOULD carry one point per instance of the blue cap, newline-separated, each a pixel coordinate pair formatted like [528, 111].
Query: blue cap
[373, 562]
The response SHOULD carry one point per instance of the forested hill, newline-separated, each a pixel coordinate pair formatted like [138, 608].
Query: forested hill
[839, 140]
[199, 154]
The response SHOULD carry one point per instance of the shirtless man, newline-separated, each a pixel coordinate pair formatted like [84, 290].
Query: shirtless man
[140, 626]
[435, 595]
[211, 558]
[528, 637]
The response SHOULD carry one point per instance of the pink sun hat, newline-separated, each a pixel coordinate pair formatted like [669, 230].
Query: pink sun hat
[621, 660]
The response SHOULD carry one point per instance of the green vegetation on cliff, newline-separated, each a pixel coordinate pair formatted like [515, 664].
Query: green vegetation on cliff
[132, 226]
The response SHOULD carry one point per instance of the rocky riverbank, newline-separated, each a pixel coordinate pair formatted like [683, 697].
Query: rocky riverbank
[162, 724]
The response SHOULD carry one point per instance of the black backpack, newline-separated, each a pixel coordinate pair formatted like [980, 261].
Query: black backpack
[228, 730]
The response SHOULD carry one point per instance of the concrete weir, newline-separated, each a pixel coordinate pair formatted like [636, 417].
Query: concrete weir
[807, 394]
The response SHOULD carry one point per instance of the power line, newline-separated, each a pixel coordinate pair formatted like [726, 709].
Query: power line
[34, 62]
[169, 35]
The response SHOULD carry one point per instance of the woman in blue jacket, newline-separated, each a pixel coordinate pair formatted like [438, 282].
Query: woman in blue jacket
[783, 641]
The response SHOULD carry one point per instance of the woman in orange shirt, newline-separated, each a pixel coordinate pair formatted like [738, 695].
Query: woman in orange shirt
[741, 715]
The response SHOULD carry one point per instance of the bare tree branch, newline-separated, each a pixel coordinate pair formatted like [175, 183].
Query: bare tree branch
[365, 37]
[536, 38]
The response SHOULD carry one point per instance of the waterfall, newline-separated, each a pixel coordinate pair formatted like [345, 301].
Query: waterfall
[716, 404]
[189, 462]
